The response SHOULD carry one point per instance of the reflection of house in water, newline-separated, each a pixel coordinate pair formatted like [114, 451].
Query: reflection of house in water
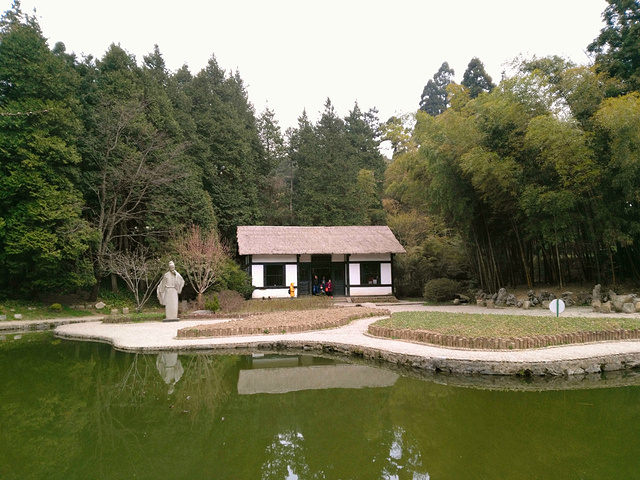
[289, 374]
[170, 368]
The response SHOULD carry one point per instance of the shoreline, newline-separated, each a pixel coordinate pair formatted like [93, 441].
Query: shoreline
[353, 340]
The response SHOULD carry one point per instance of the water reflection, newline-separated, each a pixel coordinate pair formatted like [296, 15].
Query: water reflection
[88, 411]
[269, 376]
[170, 368]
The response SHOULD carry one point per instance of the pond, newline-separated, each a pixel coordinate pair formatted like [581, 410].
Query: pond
[75, 410]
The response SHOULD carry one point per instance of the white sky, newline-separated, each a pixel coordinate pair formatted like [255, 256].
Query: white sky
[293, 54]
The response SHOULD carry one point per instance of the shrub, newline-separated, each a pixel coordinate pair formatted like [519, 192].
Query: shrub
[212, 304]
[230, 300]
[441, 289]
[232, 277]
[55, 306]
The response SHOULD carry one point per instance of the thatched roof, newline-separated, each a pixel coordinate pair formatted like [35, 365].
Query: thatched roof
[253, 240]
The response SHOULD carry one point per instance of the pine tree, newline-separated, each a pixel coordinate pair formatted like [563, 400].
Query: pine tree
[617, 48]
[434, 99]
[476, 79]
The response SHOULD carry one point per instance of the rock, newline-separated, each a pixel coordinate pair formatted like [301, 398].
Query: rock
[637, 306]
[17, 316]
[617, 305]
[546, 303]
[567, 298]
[463, 298]
[545, 295]
[511, 300]
[596, 305]
[629, 308]
[125, 310]
[628, 298]
[597, 294]
[606, 307]
[583, 298]
[3, 317]
[100, 305]
[526, 305]
[480, 302]
[490, 303]
[501, 298]
[114, 311]
[456, 301]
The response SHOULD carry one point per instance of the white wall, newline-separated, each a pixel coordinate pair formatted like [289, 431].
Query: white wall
[360, 291]
[354, 273]
[385, 273]
[257, 275]
[271, 292]
[291, 275]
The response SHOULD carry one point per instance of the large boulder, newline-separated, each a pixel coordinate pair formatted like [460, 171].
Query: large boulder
[618, 301]
[501, 298]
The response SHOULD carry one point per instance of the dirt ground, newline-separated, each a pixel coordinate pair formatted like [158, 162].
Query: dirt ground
[286, 321]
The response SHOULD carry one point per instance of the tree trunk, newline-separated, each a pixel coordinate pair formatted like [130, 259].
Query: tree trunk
[200, 300]
[114, 283]
[93, 296]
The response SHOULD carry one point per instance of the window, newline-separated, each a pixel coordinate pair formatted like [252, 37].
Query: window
[369, 273]
[274, 275]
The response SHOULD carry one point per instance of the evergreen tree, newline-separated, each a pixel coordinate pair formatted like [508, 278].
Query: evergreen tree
[138, 185]
[275, 203]
[617, 48]
[226, 146]
[434, 98]
[42, 236]
[476, 79]
[336, 166]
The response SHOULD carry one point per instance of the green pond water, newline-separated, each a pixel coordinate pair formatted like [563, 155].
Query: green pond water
[74, 410]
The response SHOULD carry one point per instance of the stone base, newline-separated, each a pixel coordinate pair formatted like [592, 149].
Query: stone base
[171, 320]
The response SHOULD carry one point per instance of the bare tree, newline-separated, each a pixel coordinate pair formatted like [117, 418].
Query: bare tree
[140, 273]
[202, 255]
[130, 160]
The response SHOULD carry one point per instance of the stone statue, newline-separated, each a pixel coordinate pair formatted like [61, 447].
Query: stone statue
[168, 289]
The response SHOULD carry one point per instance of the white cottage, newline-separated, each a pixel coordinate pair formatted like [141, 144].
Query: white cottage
[358, 260]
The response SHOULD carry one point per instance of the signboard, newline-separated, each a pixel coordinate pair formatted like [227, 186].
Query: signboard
[556, 306]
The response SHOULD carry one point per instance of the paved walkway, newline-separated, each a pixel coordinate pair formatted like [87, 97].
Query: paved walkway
[353, 339]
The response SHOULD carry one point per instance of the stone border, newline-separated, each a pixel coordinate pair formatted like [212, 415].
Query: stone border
[440, 365]
[499, 343]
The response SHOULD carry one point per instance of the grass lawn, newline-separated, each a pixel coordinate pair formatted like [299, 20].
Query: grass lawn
[503, 326]
[38, 310]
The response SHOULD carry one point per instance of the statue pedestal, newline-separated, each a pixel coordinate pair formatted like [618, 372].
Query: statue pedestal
[171, 320]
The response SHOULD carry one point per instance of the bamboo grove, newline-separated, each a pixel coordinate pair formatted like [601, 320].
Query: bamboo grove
[539, 178]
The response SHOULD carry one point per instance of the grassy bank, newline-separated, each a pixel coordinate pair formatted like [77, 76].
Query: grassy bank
[39, 311]
[483, 325]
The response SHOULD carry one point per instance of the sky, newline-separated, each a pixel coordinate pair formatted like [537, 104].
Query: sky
[294, 54]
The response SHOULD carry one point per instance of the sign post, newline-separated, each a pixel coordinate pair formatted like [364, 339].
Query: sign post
[556, 306]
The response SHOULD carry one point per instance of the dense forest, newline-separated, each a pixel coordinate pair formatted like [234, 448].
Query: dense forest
[534, 180]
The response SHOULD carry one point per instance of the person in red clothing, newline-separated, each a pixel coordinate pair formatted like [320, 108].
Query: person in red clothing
[328, 288]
